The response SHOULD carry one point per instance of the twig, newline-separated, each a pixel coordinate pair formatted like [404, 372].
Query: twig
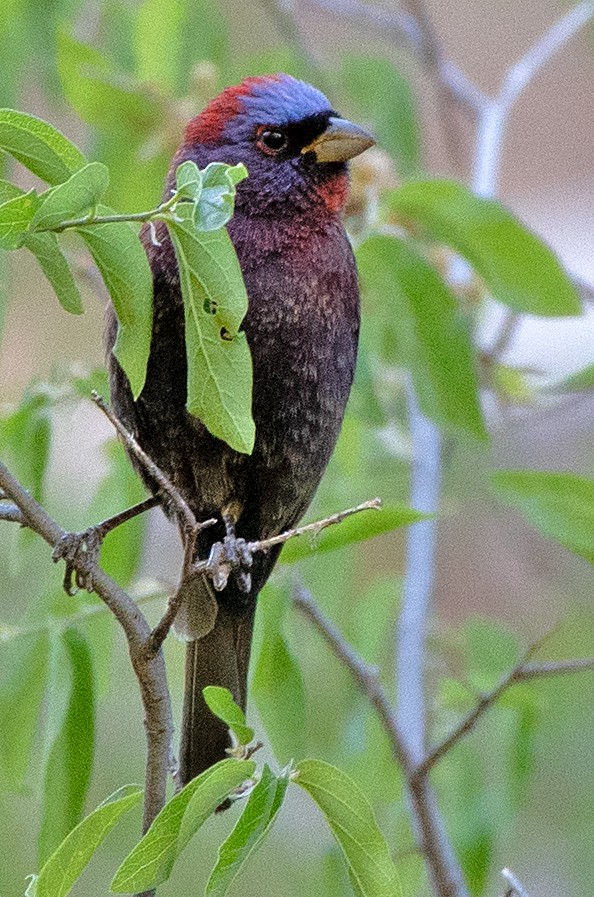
[177, 500]
[433, 842]
[149, 668]
[516, 886]
[12, 513]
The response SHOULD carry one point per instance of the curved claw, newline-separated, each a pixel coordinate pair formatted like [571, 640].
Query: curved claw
[80, 551]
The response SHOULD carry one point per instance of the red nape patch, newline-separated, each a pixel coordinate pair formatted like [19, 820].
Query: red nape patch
[334, 192]
[210, 124]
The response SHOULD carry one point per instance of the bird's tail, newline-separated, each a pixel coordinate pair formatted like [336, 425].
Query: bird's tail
[221, 657]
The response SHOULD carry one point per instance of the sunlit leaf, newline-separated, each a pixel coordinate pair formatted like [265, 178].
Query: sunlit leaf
[352, 822]
[39, 146]
[252, 827]
[152, 860]
[277, 685]
[122, 261]
[71, 858]
[70, 735]
[560, 505]
[518, 268]
[78, 194]
[423, 318]
[220, 702]
[215, 302]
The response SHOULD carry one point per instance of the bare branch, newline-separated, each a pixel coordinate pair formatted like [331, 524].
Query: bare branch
[12, 514]
[516, 887]
[555, 668]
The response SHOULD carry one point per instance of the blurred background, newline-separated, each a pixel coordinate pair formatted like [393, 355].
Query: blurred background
[121, 79]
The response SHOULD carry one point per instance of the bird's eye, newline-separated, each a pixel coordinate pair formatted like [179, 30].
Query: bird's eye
[271, 141]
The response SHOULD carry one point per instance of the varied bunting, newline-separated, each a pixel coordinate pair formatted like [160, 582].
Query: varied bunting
[302, 327]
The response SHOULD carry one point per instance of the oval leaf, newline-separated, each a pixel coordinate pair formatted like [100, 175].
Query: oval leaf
[215, 303]
[518, 268]
[16, 216]
[560, 505]
[151, 861]
[122, 261]
[39, 146]
[74, 853]
[423, 318]
[252, 827]
[220, 702]
[352, 822]
[78, 194]
[55, 266]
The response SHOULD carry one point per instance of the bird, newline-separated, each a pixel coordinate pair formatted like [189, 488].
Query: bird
[302, 327]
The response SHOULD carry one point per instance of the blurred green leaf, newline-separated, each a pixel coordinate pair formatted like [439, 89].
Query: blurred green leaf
[352, 823]
[80, 193]
[391, 108]
[39, 146]
[490, 652]
[206, 37]
[25, 439]
[252, 827]
[434, 339]
[23, 666]
[104, 96]
[277, 685]
[122, 261]
[220, 702]
[353, 529]
[70, 739]
[54, 265]
[158, 38]
[560, 505]
[581, 381]
[15, 217]
[518, 268]
[215, 302]
[152, 860]
[71, 858]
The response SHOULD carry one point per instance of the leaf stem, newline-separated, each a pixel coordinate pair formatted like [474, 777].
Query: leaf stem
[91, 220]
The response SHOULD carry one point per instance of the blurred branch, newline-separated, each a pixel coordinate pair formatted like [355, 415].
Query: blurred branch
[12, 514]
[515, 886]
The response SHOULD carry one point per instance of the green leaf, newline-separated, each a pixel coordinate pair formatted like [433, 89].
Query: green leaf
[54, 265]
[490, 650]
[80, 193]
[518, 268]
[252, 827]
[391, 109]
[188, 180]
[220, 702]
[15, 217]
[422, 316]
[70, 739]
[152, 860]
[158, 37]
[217, 198]
[74, 853]
[122, 261]
[215, 302]
[352, 823]
[277, 685]
[23, 665]
[357, 528]
[39, 146]
[25, 436]
[560, 505]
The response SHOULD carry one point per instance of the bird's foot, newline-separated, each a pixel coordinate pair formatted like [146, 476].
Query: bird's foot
[81, 553]
[232, 556]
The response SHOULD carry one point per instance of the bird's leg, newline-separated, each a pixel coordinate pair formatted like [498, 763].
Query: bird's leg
[238, 554]
[81, 550]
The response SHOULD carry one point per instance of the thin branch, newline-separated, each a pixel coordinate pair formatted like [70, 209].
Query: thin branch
[555, 668]
[516, 886]
[12, 514]
[433, 842]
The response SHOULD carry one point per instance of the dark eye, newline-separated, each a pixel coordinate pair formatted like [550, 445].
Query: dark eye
[272, 141]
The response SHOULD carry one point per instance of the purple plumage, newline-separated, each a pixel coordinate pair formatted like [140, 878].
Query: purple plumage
[302, 327]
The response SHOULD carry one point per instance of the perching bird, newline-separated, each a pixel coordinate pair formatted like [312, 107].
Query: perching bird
[302, 327]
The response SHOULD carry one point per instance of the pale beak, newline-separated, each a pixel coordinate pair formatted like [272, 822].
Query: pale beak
[340, 141]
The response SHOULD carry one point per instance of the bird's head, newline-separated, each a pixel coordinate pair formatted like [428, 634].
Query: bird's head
[295, 146]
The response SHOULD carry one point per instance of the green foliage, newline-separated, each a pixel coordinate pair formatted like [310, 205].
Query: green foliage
[54, 264]
[277, 684]
[81, 192]
[252, 827]
[560, 505]
[221, 703]
[69, 738]
[152, 860]
[516, 265]
[424, 320]
[351, 820]
[66, 864]
[39, 146]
